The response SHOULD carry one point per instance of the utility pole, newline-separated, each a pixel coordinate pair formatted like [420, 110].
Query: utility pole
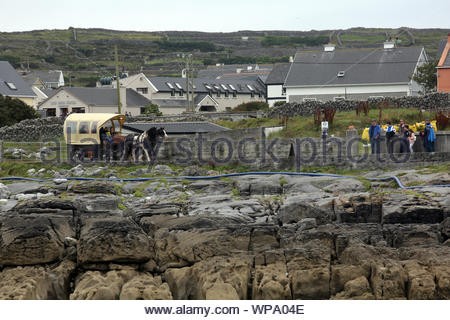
[188, 106]
[189, 83]
[117, 79]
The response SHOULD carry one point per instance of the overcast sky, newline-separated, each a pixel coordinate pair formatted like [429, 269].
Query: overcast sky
[222, 15]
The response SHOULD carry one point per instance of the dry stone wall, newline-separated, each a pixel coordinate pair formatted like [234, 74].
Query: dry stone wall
[33, 130]
[431, 102]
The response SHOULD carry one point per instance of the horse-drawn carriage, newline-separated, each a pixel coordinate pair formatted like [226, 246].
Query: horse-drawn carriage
[99, 136]
[94, 135]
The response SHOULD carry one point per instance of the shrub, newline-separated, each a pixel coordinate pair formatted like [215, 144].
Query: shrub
[252, 106]
[153, 108]
[14, 110]
[279, 103]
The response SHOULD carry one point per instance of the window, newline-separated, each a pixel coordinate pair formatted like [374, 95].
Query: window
[250, 88]
[232, 87]
[208, 87]
[11, 85]
[309, 99]
[71, 126]
[84, 128]
[51, 113]
[142, 90]
[224, 87]
[94, 127]
[178, 86]
[339, 98]
[169, 85]
[376, 97]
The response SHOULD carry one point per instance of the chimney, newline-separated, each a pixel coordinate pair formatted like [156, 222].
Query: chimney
[330, 47]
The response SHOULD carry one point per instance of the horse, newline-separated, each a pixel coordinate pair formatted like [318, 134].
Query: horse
[143, 144]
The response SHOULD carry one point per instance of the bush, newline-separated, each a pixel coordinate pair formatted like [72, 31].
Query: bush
[279, 103]
[14, 110]
[252, 106]
[153, 108]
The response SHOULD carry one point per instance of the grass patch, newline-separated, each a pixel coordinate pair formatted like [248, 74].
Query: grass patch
[298, 127]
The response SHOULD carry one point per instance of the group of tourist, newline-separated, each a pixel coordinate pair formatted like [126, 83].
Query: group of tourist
[406, 136]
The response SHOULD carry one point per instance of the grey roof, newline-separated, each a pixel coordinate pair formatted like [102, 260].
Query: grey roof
[360, 67]
[45, 76]
[106, 96]
[176, 127]
[9, 75]
[446, 62]
[177, 103]
[278, 74]
[441, 48]
[230, 72]
[200, 85]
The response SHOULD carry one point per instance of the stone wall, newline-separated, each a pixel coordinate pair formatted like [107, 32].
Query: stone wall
[431, 102]
[33, 130]
[205, 116]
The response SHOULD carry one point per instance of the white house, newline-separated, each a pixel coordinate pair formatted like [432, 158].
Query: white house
[12, 85]
[275, 83]
[353, 74]
[209, 95]
[45, 79]
[93, 100]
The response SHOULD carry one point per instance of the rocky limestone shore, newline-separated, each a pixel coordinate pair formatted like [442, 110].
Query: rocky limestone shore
[251, 237]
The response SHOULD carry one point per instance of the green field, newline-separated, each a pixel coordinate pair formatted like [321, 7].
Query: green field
[305, 127]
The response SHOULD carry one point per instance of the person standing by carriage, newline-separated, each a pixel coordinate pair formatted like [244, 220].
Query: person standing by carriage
[429, 137]
[375, 137]
[390, 134]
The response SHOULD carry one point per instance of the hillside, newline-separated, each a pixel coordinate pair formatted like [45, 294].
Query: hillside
[87, 54]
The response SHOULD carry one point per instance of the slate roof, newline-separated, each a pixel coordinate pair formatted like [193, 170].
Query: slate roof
[181, 103]
[8, 74]
[46, 76]
[441, 48]
[106, 96]
[229, 72]
[278, 74]
[361, 67]
[444, 58]
[176, 127]
[241, 87]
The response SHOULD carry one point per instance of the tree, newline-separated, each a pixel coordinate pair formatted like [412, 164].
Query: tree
[426, 76]
[14, 110]
[153, 108]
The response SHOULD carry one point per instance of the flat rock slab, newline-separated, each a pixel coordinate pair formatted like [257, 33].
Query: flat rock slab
[113, 240]
[33, 240]
[26, 187]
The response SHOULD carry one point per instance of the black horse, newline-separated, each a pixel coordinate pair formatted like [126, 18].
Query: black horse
[143, 145]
